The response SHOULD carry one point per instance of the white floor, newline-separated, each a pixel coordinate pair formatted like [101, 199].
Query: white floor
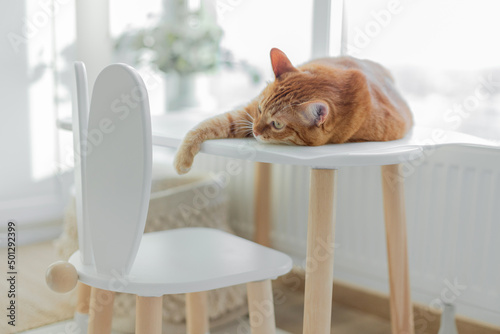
[71, 327]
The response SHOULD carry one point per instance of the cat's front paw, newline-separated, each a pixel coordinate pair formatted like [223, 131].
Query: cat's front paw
[183, 162]
[184, 158]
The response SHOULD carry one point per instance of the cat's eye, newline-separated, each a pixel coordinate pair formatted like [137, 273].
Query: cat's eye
[278, 125]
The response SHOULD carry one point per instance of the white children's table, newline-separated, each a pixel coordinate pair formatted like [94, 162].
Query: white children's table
[169, 130]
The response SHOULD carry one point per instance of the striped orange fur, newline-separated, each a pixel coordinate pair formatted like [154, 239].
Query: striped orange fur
[328, 100]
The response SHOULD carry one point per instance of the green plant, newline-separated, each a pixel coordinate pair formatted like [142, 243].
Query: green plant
[189, 43]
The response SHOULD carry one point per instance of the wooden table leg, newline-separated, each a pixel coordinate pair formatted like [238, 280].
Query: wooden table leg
[197, 319]
[148, 315]
[261, 307]
[397, 250]
[262, 203]
[319, 261]
[100, 311]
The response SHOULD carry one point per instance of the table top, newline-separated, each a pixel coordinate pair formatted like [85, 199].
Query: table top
[169, 130]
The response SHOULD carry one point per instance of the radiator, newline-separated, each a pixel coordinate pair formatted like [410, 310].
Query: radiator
[453, 213]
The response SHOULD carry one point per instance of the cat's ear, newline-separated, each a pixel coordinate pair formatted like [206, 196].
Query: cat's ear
[315, 113]
[280, 62]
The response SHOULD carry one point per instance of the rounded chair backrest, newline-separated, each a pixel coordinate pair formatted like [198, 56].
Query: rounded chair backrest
[80, 120]
[118, 168]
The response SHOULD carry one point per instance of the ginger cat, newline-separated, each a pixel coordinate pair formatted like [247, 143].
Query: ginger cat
[328, 100]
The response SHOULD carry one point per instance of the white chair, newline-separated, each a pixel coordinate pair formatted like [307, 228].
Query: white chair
[112, 204]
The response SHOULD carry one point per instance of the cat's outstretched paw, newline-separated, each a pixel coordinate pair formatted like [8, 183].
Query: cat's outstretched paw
[183, 161]
[182, 164]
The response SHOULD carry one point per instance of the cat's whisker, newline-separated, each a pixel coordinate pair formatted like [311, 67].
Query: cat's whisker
[248, 126]
[244, 129]
[249, 115]
[245, 125]
[245, 134]
[242, 122]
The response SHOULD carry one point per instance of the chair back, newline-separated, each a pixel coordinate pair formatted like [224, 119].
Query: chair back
[117, 168]
[80, 123]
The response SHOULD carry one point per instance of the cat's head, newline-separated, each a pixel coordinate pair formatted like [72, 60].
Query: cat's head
[302, 107]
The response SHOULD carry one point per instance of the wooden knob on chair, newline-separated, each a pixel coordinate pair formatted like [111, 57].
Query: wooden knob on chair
[61, 276]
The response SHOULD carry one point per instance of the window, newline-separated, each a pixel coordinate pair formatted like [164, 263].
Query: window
[443, 55]
[34, 83]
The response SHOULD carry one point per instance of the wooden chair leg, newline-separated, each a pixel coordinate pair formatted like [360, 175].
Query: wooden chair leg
[100, 311]
[148, 315]
[81, 317]
[320, 246]
[83, 298]
[261, 307]
[262, 203]
[397, 250]
[197, 320]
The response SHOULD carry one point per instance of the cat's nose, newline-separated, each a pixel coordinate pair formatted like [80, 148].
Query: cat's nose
[255, 133]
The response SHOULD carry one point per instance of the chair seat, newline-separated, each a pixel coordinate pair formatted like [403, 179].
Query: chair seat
[189, 260]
